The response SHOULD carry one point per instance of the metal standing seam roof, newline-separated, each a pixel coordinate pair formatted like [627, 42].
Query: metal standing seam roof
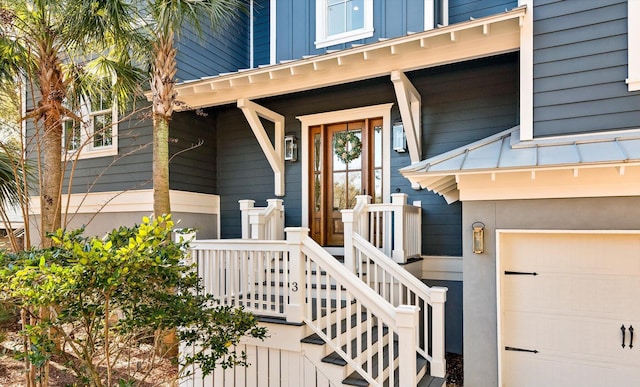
[503, 152]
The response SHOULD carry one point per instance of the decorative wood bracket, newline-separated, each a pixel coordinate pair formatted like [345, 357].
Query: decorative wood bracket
[274, 153]
[409, 102]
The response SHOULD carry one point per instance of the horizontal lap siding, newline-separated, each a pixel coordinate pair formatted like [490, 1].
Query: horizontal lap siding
[129, 170]
[193, 170]
[463, 10]
[580, 67]
[212, 52]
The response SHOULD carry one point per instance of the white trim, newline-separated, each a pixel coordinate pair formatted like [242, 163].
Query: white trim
[498, 268]
[526, 71]
[135, 201]
[87, 150]
[383, 110]
[272, 32]
[322, 40]
[251, 32]
[633, 45]
[273, 152]
[430, 15]
[409, 103]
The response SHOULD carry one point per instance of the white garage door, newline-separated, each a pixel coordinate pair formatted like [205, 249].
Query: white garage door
[564, 299]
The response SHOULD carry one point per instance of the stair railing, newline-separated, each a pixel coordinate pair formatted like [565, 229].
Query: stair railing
[262, 223]
[394, 227]
[352, 319]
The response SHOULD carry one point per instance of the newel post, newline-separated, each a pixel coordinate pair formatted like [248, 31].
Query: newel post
[348, 221]
[277, 226]
[245, 206]
[296, 287]
[407, 322]
[438, 299]
[399, 200]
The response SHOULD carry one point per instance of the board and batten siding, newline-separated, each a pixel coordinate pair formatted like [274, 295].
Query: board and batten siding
[193, 170]
[212, 52]
[460, 104]
[296, 27]
[580, 67]
[261, 33]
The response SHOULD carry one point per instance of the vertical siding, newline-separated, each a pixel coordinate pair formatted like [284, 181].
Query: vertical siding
[296, 27]
[461, 103]
[193, 170]
[580, 67]
[261, 32]
[213, 51]
[463, 10]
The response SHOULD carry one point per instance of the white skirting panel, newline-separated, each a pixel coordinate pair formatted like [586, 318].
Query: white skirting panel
[268, 367]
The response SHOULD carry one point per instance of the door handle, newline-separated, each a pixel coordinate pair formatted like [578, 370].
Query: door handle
[624, 331]
[630, 336]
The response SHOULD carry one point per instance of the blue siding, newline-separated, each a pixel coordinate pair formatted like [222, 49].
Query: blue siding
[452, 116]
[213, 52]
[193, 170]
[463, 10]
[580, 67]
[261, 31]
[296, 26]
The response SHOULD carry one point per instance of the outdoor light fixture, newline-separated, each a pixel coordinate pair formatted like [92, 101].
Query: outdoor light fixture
[290, 148]
[399, 139]
[478, 237]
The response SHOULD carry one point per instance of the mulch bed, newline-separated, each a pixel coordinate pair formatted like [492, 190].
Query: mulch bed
[455, 371]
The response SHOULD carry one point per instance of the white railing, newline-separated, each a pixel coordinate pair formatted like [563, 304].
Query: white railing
[297, 279]
[263, 223]
[244, 273]
[399, 287]
[394, 228]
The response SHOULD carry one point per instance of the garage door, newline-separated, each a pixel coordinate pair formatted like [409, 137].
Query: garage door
[569, 303]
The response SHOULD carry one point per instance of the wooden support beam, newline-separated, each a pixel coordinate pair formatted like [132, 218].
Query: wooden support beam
[273, 152]
[409, 102]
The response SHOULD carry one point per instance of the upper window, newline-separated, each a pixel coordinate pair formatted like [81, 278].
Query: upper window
[96, 135]
[633, 37]
[340, 21]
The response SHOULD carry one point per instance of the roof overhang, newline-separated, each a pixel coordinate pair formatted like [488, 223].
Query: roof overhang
[472, 39]
[501, 167]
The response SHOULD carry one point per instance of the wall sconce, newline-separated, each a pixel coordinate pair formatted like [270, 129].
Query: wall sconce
[399, 139]
[290, 148]
[478, 237]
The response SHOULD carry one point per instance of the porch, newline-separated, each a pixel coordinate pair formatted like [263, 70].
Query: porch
[363, 320]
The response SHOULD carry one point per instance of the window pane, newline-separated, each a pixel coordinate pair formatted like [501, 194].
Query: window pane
[377, 146]
[336, 19]
[100, 102]
[377, 186]
[317, 171]
[102, 135]
[355, 15]
[339, 191]
[355, 188]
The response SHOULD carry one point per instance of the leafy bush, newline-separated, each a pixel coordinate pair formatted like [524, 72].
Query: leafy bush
[91, 300]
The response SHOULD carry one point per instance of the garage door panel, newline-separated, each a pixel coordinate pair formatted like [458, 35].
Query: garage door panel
[587, 285]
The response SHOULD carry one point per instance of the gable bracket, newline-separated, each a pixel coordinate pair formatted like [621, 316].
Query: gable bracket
[274, 154]
[409, 102]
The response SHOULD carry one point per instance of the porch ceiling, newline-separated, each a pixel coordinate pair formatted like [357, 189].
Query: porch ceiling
[476, 166]
[461, 41]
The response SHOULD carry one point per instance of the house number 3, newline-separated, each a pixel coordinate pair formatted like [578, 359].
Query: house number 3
[294, 286]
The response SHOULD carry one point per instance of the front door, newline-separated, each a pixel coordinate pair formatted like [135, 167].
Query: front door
[346, 160]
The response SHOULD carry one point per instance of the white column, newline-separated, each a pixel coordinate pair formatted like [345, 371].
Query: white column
[438, 364]
[296, 287]
[407, 322]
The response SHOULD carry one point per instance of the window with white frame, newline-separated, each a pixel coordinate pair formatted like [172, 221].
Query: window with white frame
[633, 38]
[96, 134]
[341, 21]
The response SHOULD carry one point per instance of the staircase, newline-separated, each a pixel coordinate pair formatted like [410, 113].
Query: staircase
[364, 322]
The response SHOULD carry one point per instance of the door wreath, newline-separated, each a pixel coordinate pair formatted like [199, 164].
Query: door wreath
[347, 146]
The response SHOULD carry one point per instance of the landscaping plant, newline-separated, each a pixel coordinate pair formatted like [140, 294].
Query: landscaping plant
[107, 296]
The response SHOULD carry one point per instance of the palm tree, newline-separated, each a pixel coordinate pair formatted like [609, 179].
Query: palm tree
[168, 17]
[67, 50]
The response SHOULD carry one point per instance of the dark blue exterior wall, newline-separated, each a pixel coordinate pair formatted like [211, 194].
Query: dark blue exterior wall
[580, 67]
[460, 103]
[296, 27]
[261, 33]
[211, 52]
